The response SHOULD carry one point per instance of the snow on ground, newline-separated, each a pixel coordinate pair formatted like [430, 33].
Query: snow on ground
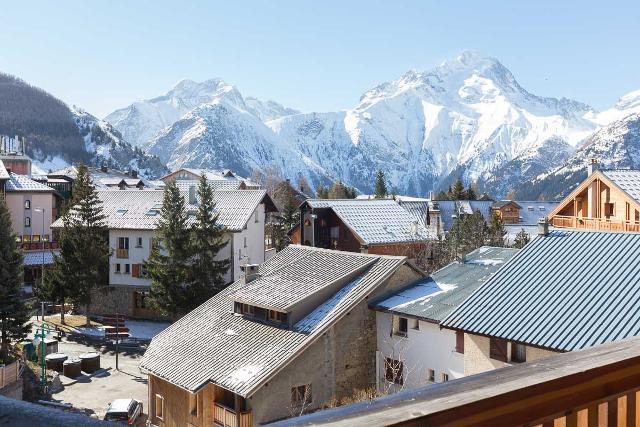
[141, 329]
[49, 164]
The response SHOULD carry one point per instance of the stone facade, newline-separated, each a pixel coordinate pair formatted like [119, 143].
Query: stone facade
[118, 298]
[476, 355]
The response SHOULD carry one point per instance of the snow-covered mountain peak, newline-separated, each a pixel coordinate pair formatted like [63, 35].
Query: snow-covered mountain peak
[629, 101]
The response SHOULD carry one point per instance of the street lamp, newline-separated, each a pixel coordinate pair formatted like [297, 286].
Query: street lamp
[41, 210]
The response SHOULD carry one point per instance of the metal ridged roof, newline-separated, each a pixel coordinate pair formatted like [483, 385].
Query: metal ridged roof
[434, 297]
[627, 180]
[567, 290]
[532, 211]
[39, 257]
[377, 221]
[212, 344]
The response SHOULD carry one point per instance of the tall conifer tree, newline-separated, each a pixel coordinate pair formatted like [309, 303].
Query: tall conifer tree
[13, 312]
[381, 186]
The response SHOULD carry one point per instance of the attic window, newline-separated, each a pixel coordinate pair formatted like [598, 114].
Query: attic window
[531, 209]
[121, 212]
[152, 212]
[277, 316]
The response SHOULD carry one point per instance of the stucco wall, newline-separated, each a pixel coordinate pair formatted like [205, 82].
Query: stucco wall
[476, 355]
[16, 203]
[427, 347]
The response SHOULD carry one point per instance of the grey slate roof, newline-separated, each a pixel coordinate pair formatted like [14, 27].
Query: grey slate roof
[219, 184]
[532, 211]
[376, 221]
[130, 209]
[565, 291]
[627, 180]
[417, 209]
[448, 208]
[24, 183]
[434, 297]
[212, 344]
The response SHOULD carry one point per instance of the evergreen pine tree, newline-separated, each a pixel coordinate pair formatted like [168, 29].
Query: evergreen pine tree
[168, 264]
[56, 286]
[468, 233]
[381, 186]
[86, 235]
[496, 230]
[458, 192]
[13, 312]
[208, 239]
[522, 238]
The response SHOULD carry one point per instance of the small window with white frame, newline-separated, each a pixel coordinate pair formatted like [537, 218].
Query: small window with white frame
[117, 270]
[27, 204]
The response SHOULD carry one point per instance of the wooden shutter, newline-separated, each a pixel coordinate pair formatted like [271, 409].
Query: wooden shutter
[498, 349]
[460, 342]
[136, 270]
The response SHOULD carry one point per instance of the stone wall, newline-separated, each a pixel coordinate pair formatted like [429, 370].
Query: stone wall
[112, 297]
[13, 390]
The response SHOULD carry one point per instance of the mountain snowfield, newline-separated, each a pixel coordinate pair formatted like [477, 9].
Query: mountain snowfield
[467, 117]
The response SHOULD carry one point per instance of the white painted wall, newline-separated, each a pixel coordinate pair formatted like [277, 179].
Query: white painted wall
[253, 252]
[428, 347]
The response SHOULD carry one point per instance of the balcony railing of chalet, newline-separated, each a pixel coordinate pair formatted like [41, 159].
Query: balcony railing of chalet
[227, 417]
[37, 246]
[122, 253]
[594, 387]
[560, 221]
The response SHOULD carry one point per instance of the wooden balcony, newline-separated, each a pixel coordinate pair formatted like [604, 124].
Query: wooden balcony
[560, 221]
[598, 386]
[122, 253]
[227, 417]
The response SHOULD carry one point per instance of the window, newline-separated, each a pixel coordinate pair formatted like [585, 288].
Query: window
[247, 309]
[193, 404]
[393, 370]
[159, 410]
[27, 204]
[498, 349]
[530, 208]
[301, 395]
[445, 377]
[123, 243]
[127, 269]
[518, 353]
[45, 237]
[277, 316]
[256, 216]
[27, 221]
[402, 326]
[431, 375]
[460, 342]
[416, 325]
[245, 241]
[609, 209]
[138, 242]
[239, 254]
[117, 268]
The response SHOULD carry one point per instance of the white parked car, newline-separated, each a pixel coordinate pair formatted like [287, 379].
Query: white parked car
[124, 411]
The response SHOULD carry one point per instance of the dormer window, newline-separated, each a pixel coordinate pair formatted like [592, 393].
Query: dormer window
[247, 309]
[277, 316]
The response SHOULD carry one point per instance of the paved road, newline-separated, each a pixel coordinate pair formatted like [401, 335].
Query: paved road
[96, 392]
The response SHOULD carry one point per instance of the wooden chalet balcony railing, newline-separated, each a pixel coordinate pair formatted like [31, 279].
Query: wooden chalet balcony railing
[560, 221]
[594, 387]
[227, 417]
[122, 253]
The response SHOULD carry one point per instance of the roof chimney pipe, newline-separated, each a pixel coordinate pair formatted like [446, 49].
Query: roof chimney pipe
[251, 272]
[432, 195]
[543, 227]
[592, 166]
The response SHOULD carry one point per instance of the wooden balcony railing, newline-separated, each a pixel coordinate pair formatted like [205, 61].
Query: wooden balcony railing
[560, 221]
[598, 386]
[9, 373]
[227, 417]
[122, 253]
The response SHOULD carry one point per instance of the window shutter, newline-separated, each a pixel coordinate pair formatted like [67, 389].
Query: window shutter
[136, 270]
[460, 342]
[498, 349]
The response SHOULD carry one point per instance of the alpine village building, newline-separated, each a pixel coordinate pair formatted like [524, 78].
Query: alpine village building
[289, 337]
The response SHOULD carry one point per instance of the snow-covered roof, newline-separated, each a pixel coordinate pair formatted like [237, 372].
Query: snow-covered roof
[377, 221]
[3, 171]
[434, 297]
[140, 209]
[532, 211]
[240, 354]
[449, 208]
[40, 257]
[220, 184]
[104, 180]
[24, 183]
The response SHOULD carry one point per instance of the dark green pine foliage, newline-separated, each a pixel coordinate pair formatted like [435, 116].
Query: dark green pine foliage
[86, 236]
[381, 186]
[458, 192]
[169, 262]
[496, 231]
[521, 240]
[208, 239]
[57, 285]
[13, 312]
[467, 233]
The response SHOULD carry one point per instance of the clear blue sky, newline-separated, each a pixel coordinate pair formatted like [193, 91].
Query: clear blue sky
[313, 55]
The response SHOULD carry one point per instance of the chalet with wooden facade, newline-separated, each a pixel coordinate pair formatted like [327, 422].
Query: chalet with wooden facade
[377, 226]
[566, 290]
[507, 210]
[291, 335]
[132, 217]
[606, 200]
[412, 348]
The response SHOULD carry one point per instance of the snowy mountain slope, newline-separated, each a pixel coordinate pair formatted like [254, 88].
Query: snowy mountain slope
[267, 110]
[221, 135]
[616, 146]
[105, 145]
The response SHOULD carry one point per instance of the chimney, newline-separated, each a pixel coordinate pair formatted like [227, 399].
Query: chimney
[192, 194]
[133, 173]
[592, 166]
[543, 227]
[432, 195]
[251, 272]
